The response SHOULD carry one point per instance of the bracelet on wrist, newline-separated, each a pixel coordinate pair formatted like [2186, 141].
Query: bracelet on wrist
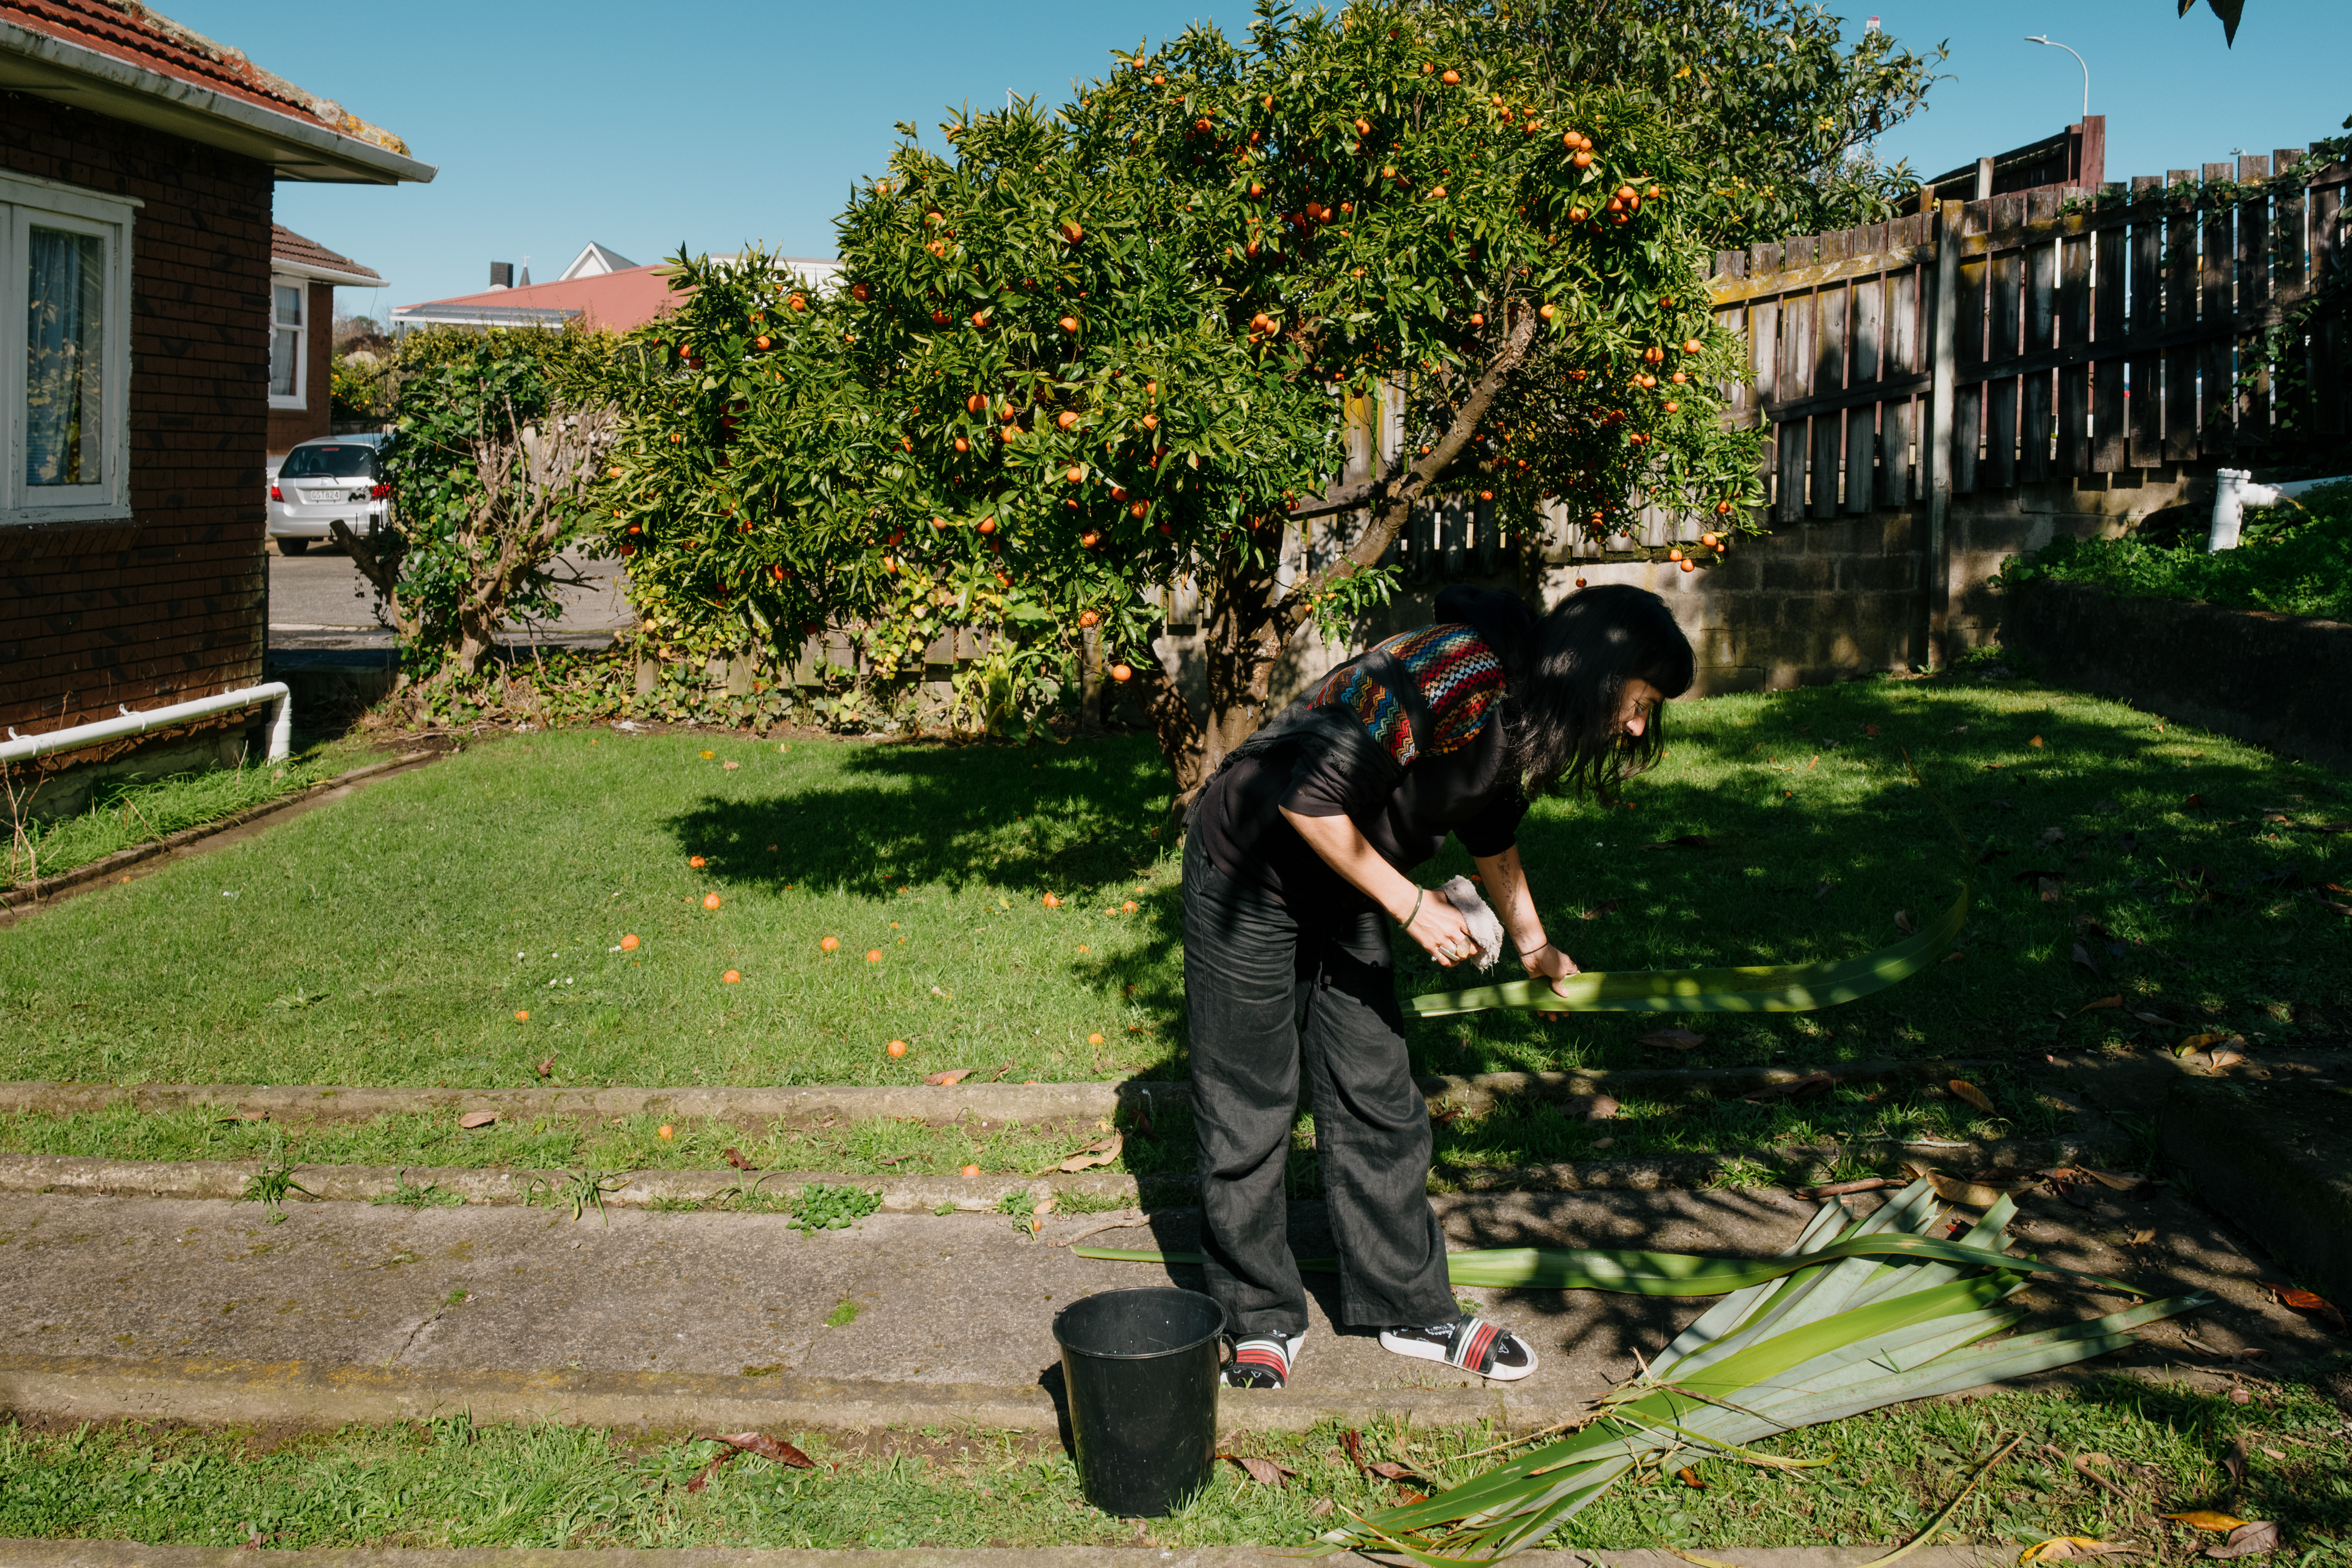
[1527, 953]
[1418, 895]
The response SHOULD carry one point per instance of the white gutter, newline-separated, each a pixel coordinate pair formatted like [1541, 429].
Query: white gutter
[114, 85]
[23, 748]
[288, 267]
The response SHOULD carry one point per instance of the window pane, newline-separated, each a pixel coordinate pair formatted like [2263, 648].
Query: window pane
[351, 461]
[285, 348]
[65, 342]
[289, 306]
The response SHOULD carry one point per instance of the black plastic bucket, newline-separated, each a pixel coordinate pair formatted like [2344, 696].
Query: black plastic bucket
[1140, 1368]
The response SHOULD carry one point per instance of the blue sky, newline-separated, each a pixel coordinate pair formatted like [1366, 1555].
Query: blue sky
[708, 122]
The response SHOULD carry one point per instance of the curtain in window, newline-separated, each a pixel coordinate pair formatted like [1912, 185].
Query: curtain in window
[285, 341]
[64, 349]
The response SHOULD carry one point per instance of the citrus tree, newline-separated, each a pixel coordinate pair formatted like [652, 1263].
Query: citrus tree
[1097, 351]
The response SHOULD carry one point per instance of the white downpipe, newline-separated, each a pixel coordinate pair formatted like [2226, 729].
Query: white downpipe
[2234, 491]
[23, 748]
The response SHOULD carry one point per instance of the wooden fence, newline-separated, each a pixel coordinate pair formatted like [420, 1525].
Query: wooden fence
[2035, 337]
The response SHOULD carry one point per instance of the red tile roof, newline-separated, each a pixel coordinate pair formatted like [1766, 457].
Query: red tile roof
[139, 37]
[617, 301]
[285, 245]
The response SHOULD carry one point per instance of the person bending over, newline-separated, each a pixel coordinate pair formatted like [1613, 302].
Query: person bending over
[1300, 857]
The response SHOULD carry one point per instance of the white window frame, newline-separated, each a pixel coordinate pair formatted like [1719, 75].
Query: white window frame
[26, 202]
[301, 287]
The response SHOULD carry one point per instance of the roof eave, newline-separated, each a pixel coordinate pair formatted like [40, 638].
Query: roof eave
[49, 66]
[289, 267]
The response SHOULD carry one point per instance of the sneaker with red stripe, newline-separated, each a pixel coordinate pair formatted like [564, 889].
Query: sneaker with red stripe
[1470, 1342]
[1263, 1361]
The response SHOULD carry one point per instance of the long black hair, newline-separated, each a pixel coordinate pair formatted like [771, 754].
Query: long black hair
[1567, 673]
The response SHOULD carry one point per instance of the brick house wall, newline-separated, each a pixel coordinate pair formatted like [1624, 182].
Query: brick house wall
[171, 605]
[289, 428]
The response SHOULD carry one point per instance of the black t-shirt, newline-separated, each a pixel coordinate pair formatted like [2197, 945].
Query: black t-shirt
[1325, 757]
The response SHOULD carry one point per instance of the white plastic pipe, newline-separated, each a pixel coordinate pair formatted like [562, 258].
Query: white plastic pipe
[2233, 491]
[23, 748]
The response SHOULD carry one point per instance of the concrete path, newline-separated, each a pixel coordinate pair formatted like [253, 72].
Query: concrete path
[203, 1310]
[319, 599]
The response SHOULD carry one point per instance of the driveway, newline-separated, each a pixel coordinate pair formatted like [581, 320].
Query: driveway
[320, 600]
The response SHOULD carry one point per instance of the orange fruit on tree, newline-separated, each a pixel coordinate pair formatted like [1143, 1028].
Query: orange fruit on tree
[1072, 232]
[1675, 554]
[859, 293]
[1549, 312]
[1580, 582]
[873, 956]
[830, 944]
[962, 445]
[797, 301]
[898, 1047]
[1691, 345]
[629, 943]
[1067, 418]
[1068, 325]
[1122, 672]
[975, 403]
[761, 341]
[1088, 617]
[1076, 475]
[988, 525]
[732, 977]
[710, 901]
[1452, 79]
[1690, 565]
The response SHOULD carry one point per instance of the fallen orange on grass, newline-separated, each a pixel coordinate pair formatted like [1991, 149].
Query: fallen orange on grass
[732, 977]
[1051, 902]
[1094, 1040]
[971, 1169]
[522, 1016]
[710, 901]
[665, 1132]
[629, 943]
[695, 860]
[1127, 907]
[830, 943]
[898, 1047]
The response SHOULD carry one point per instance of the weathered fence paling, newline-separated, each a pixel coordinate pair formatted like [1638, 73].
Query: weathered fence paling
[2096, 331]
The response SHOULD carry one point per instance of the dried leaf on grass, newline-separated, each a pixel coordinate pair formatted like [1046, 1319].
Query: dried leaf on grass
[2255, 1535]
[1383, 1469]
[2059, 1548]
[1688, 1475]
[735, 1158]
[2206, 1519]
[1102, 1152]
[2102, 1002]
[1904, 923]
[1840, 1189]
[1673, 1039]
[1811, 1083]
[769, 1447]
[1953, 1190]
[1322, 1509]
[1597, 910]
[1265, 1472]
[950, 1078]
[1963, 1089]
[473, 1119]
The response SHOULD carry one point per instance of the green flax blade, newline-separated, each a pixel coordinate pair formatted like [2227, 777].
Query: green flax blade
[1660, 1273]
[1782, 988]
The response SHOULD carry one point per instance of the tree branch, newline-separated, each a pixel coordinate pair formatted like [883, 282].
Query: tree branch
[1291, 612]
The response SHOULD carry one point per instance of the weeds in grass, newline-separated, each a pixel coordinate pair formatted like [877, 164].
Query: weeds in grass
[582, 1189]
[417, 1196]
[270, 1185]
[823, 1207]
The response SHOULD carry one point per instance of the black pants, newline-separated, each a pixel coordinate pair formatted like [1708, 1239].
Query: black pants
[1268, 987]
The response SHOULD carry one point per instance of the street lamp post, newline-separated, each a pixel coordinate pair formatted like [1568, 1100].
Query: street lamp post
[2051, 43]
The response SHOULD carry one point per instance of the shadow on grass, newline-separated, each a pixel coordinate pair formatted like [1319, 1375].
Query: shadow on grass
[2111, 855]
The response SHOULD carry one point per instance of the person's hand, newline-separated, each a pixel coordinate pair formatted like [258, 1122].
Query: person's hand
[1441, 931]
[1551, 963]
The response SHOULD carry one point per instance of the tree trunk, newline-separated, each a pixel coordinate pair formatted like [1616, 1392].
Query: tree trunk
[1246, 626]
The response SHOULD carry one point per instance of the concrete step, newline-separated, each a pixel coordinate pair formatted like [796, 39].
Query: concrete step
[167, 1309]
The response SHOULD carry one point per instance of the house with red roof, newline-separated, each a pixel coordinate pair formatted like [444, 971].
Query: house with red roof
[600, 289]
[303, 277]
[138, 160]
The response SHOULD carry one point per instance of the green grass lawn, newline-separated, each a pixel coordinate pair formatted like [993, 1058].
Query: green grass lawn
[125, 813]
[394, 937]
[2161, 1446]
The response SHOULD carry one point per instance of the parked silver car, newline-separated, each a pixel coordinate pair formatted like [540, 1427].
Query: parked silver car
[331, 479]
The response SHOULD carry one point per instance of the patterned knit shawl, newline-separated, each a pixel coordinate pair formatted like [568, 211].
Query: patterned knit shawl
[1456, 674]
